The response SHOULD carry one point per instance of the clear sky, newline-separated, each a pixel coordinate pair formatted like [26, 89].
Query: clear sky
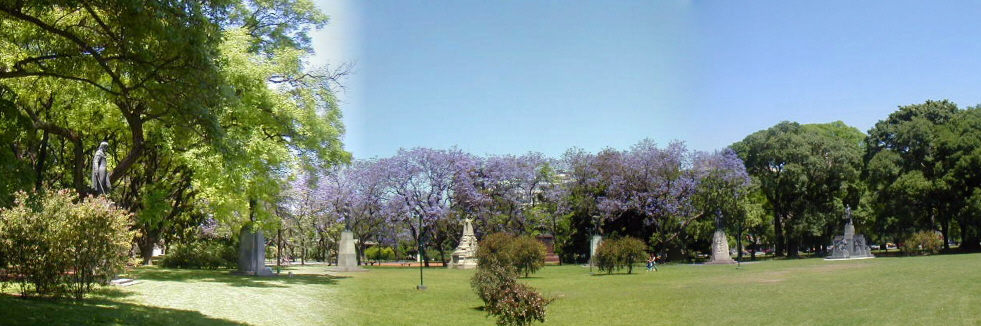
[508, 77]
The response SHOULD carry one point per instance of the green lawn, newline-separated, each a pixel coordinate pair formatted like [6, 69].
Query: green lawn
[936, 290]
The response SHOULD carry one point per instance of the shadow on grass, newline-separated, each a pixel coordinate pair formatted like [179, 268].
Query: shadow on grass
[224, 276]
[614, 274]
[97, 311]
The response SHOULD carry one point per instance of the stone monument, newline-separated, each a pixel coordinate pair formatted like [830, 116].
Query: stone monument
[465, 255]
[347, 257]
[720, 243]
[594, 243]
[252, 253]
[850, 245]
[100, 174]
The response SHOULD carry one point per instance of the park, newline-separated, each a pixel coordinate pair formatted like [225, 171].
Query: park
[235, 162]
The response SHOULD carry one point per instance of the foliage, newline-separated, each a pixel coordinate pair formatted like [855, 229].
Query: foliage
[495, 249]
[380, 253]
[495, 281]
[617, 254]
[527, 254]
[56, 246]
[808, 174]
[524, 253]
[201, 255]
[923, 243]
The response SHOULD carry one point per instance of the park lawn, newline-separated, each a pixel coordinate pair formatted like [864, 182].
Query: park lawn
[915, 290]
[935, 290]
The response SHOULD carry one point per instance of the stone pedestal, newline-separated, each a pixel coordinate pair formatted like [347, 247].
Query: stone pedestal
[850, 245]
[594, 243]
[465, 255]
[347, 257]
[252, 253]
[720, 249]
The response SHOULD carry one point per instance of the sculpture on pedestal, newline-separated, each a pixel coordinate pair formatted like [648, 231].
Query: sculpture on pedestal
[720, 243]
[465, 255]
[100, 174]
[850, 245]
[347, 256]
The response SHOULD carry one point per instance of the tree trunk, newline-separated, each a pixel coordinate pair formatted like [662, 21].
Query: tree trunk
[791, 240]
[945, 230]
[146, 248]
[778, 233]
[39, 167]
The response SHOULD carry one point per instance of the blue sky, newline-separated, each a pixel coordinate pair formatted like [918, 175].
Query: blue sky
[508, 77]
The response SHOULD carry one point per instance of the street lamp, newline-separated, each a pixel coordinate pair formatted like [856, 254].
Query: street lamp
[421, 286]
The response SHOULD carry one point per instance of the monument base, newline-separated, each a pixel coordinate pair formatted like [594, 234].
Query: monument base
[347, 259]
[720, 250]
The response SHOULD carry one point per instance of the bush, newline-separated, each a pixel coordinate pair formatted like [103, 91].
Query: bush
[201, 255]
[55, 246]
[380, 253]
[524, 253]
[619, 253]
[923, 243]
[495, 281]
[527, 254]
[495, 249]
[519, 304]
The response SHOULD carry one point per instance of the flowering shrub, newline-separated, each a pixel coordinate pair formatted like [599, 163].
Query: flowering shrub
[619, 253]
[55, 246]
[496, 280]
[923, 243]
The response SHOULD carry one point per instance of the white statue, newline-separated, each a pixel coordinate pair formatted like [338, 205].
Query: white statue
[100, 174]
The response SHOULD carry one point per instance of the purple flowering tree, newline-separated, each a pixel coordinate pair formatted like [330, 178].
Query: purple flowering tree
[512, 188]
[424, 180]
[655, 184]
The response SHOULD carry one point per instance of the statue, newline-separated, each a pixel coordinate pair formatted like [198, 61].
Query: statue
[100, 174]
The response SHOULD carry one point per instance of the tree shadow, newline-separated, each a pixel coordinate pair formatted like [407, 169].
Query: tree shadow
[97, 311]
[225, 276]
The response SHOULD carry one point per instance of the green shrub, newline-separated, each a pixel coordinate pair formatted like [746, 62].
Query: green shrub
[527, 254]
[923, 243]
[500, 258]
[524, 253]
[380, 253]
[495, 249]
[55, 246]
[620, 253]
[201, 255]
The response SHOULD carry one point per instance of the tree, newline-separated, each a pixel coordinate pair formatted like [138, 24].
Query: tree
[154, 62]
[422, 182]
[620, 253]
[906, 166]
[804, 172]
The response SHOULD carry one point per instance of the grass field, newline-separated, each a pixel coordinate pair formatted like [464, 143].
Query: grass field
[935, 290]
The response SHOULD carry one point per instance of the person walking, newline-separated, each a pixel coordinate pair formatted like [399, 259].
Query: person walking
[652, 263]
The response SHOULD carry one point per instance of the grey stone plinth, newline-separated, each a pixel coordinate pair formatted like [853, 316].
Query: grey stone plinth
[347, 257]
[252, 253]
[594, 243]
[720, 249]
